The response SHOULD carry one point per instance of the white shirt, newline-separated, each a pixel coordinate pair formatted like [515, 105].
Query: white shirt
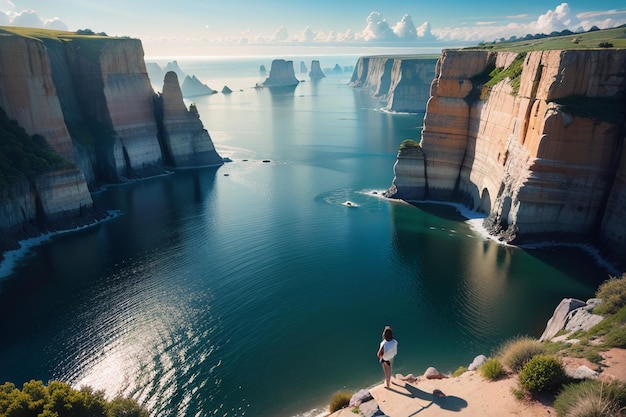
[390, 349]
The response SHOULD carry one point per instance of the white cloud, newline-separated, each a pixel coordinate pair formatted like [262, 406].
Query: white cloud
[425, 33]
[6, 6]
[55, 24]
[559, 19]
[377, 29]
[405, 29]
[27, 18]
[280, 34]
[308, 34]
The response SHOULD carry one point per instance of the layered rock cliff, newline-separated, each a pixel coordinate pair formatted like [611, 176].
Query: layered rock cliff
[402, 83]
[535, 140]
[281, 75]
[90, 98]
[185, 140]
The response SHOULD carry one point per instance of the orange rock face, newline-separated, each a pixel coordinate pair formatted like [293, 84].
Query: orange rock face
[545, 159]
[28, 94]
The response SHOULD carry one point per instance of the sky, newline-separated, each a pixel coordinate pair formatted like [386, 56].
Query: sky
[205, 27]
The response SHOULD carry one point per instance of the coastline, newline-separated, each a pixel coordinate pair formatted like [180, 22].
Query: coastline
[16, 246]
[475, 220]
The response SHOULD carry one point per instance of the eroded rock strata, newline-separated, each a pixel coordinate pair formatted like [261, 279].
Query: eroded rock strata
[90, 98]
[185, 140]
[402, 84]
[281, 75]
[541, 151]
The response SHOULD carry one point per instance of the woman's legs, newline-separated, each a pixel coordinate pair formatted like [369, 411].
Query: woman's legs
[387, 369]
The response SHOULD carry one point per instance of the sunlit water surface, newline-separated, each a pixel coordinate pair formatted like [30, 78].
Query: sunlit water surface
[253, 288]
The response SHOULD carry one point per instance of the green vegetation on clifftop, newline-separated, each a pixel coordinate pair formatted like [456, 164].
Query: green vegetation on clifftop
[586, 40]
[90, 43]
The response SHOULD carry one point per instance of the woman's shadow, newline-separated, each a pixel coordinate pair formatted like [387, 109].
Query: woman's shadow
[445, 402]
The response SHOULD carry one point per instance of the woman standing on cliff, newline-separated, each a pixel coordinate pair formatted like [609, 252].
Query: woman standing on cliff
[386, 351]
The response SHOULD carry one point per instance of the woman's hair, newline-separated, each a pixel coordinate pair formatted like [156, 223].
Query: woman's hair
[387, 333]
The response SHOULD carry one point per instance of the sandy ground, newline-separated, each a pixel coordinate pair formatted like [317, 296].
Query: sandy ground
[471, 395]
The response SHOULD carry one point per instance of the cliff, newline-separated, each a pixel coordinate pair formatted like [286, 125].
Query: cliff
[402, 84]
[186, 142]
[281, 75]
[90, 99]
[316, 71]
[534, 140]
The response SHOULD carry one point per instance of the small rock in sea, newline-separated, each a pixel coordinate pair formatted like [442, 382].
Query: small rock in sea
[226, 175]
[227, 159]
[244, 160]
[266, 160]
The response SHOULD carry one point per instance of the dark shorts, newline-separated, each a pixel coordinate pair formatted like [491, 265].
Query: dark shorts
[384, 361]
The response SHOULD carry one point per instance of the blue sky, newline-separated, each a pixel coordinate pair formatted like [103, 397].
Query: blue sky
[200, 27]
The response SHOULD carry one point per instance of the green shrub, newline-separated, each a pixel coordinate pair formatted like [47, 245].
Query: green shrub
[542, 373]
[459, 371]
[59, 399]
[492, 369]
[340, 400]
[409, 143]
[613, 295]
[516, 352]
[591, 398]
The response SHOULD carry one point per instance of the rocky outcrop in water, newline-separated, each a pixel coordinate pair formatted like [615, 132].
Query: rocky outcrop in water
[316, 71]
[281, 75]
[186, 142]
[539, 148]
[91, 99]
[193, 87]
[402, 84]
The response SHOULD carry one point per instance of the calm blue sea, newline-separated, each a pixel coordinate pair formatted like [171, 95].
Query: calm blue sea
[252, 289]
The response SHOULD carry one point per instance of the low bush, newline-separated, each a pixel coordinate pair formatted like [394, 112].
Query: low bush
[459, 371]
[409, 143]
[492, 369]
[543, 373]
[340, 400]
[516, 352]
[591, 398]
[59, 399]
[613, 295]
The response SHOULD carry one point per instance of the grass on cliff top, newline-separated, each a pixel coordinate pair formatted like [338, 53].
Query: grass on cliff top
[91, 43]
[586, 40]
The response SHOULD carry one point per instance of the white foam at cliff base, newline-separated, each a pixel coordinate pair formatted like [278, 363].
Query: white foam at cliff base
[475, 220]
[12, 257]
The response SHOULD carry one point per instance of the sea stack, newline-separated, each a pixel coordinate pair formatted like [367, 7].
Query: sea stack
[281, 74]
[316, 70]
[194, 87]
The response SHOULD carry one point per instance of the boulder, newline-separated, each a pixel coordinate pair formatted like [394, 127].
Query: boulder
[571, 315]
[433, 373]
[477, 362]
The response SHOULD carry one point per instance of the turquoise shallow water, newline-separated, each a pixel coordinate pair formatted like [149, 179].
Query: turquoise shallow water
[251, 289]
